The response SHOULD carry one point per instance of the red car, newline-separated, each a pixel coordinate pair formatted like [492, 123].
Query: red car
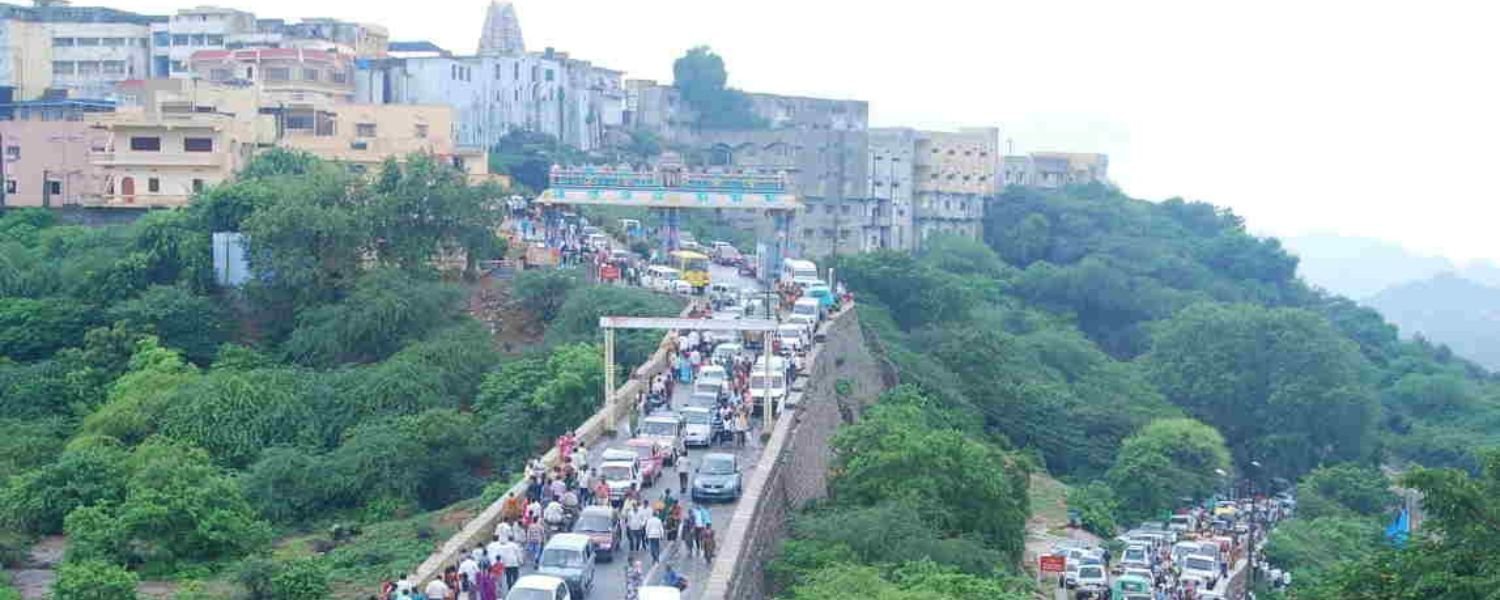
[650, 455]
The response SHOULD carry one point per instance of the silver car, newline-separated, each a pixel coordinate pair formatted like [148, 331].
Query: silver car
[570, 557]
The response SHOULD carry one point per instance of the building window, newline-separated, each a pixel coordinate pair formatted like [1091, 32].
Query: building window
[364, 130]
[61, 42]
[338, 76]
[198, 40]
[215, 39]
[846, 209]
[179, 66]
[145, 144]
[219, 74]
[88, 67]
[161, 38]
[12, 153]
[421, 130]
[497, 71]
[114, 67]
[807, 233]
[54, 188]
[549, 74]
[197, 186]
[153, 185]
[299, 122]
[88, 41]
[278, 74]
[198, 144]
[310, 74]
[62, 67]
[179, 40]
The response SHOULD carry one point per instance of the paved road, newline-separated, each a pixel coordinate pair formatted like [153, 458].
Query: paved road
[609, 577]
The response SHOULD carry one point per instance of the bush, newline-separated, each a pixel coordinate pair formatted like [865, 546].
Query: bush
[93, 580]
[1096, 507]
[543, 291]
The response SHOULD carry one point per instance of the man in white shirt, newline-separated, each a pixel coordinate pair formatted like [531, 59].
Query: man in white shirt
[635, 522]
[655, 531]
[469, 568]
[510, 556]
[492, 550]
[684, 467]
[437, 590]
[404, 584]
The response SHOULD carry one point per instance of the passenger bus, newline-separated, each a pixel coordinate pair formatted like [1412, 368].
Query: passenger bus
[694, 268]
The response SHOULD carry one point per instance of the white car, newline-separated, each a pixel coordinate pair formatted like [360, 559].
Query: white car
[711, 377]
[1136, 556]
[793, 336]
[666, 430]
[699, 426]
[1092, 581]
[1202, 567]
[621, 476]
[539, 587]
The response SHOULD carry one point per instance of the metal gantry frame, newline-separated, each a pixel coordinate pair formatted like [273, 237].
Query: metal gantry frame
[610, 324]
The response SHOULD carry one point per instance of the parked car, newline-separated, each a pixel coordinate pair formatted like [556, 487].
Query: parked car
[570, 557]
[1201, 566]
[717, 477]
[621, 476]
[651, 455]
[602, 526]
[1136, 556]
[1093, 582]
[711, 377]
[666, 431]
[539, 587]
[658, 592]
[697, 427]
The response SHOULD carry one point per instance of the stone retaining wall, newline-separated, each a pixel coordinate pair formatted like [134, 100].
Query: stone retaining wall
[794, 465]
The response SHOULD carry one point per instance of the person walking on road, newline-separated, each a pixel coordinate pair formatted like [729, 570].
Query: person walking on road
[510, 556]
[634, 578]
[636, 525]
[535, 534]
[708, 543]
[684, 466]
[655, 531]
[689, 533]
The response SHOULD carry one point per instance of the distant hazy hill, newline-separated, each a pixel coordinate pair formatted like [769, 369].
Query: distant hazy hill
[1360, 267]
[1448, 309]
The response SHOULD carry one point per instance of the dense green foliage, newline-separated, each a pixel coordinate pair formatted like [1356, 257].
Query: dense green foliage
[917, 510]
[1166, 461]
[168, 425]
[94, 580]
[700, 77]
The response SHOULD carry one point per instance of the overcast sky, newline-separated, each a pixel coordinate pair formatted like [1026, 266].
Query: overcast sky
[1365, 118]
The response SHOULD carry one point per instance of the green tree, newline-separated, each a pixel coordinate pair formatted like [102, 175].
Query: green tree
[33, 329]
[1168, 460]
[38, 500]
[552, 393]
[387, 309]
[701, 78]
[180, 319]
[422, 208]
[578, 319]
[94, 580]
[424, 460]
[1281, 384]
[234, 415]
[1342, 489]
[543, 291]
[964, 485]
[138, 399]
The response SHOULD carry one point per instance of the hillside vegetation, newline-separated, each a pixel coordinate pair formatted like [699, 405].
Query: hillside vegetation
[173, 428]
[1132, 349]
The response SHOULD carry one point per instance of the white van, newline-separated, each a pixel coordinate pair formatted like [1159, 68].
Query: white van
[800, 272]
[808, 311]
[763, 385]
[661, 278]
[792, 336]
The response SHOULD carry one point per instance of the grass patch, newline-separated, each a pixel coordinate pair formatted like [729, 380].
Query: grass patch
[1049, 503]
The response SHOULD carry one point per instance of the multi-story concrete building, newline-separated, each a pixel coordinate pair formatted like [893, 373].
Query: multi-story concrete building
[890, 188]
[547, 92]
[955, 174]
[1056, 169]
[365, 135]
[287, 76]
[174, 41]
[175, 138]
[660, 109]
[79, 52]
[47, 146]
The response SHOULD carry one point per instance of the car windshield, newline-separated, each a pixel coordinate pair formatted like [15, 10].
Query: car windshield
[1091, 573]
[718, 465]
[1199, 564]
[1135, 554]
[791, 330]
[695, 417]
[528, 594]
[615, 472]
[643, 451]
[594, 522]
[805, 309]
[658, 428]
[560, 558]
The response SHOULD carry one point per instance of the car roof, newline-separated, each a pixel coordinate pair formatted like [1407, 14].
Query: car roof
[720, 455]
[658, 592]
[668, 418]
[638, 442]
[538, 582]
[695, 409]
[805, 300]
[620, 452]
[629, 464]
[1202, 556]
[569, 541]
[589, 510]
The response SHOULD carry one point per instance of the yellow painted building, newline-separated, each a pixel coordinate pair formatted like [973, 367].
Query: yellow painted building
[175, 137]
[364, 135]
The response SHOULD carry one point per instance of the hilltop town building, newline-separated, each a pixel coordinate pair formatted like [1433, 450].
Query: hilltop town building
[502, 31]
[47, 146]
[1052, 170]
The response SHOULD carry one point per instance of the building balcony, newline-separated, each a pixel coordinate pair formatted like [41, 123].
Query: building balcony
[158, 159]
[137, 201]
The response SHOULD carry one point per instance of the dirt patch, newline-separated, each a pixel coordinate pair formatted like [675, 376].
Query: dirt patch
[456, 518]
[515, 329]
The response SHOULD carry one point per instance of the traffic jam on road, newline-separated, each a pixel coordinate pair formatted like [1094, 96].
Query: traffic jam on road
[1199, 553]
[653, 498]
